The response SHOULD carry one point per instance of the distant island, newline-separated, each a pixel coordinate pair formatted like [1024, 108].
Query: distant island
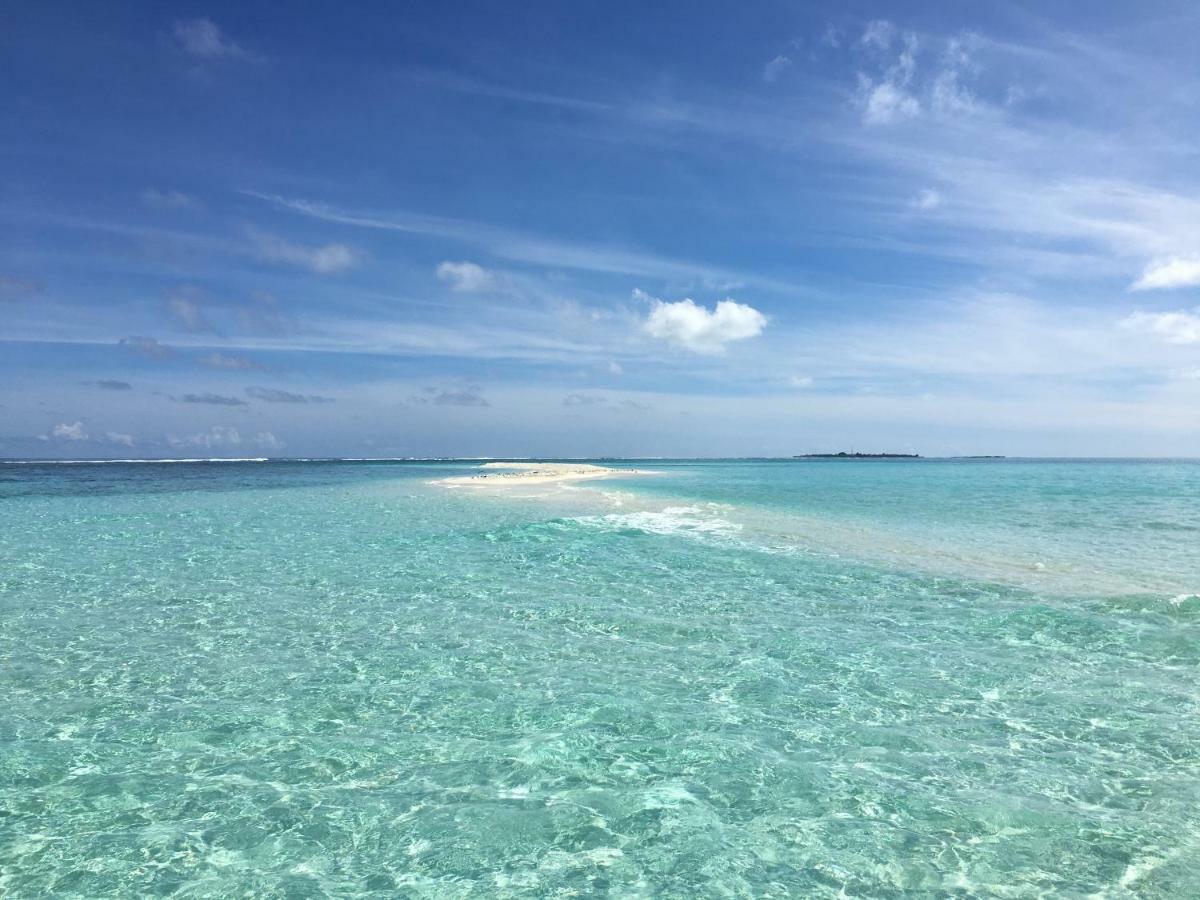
[845, 455]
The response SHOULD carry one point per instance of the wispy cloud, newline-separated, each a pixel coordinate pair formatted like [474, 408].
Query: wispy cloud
[775, 68]
[229, 361]
[109, 384]
[465, 277]
[203, 39]
[1178, 327]
[519, 246]
[211, 399]
[326, 259]
[170, 199]
[275, 395]
[147, 347]
[185, 307]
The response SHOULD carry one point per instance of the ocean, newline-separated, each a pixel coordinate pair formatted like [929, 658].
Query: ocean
[737, 678]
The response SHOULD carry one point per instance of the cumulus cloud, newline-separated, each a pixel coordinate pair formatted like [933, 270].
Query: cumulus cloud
[1179, 327]
[223, 436]
[1176, 272]
[466, 277]
[885, 102]
[699, 329]
[203, 39]
[146, 347]
[116, 437]
[274, 395]
[466, 397]
[213, 399]
[229, 361]
[72, 432]
[324, 260]
[776, 67]
[157, 199]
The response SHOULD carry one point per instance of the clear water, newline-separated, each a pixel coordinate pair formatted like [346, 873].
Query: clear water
[739, 679]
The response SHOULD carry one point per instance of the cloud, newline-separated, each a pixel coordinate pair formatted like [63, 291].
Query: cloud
[274, 395]
[157, 199]
[223, 436]
[65, 432]
[696, 328]
[458, 398]
[465, 277]
[614, 368]
[1176, 272]
[324, 260]
[885, 102]
[927, 199]
[879, 34]
[263, 315]
[214, 399]
[15, 288]
[1180, 327]
[116, 437]
[108, 384]
[800, 381]
[776, 67]
[146, 347]
[188, 313]
[203, 39]
[583, 400]
[227, 361]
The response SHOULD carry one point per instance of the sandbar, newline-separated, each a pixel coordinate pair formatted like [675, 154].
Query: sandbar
[515, 474]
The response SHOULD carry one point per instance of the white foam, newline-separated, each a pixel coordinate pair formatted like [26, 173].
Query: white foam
[672, 520]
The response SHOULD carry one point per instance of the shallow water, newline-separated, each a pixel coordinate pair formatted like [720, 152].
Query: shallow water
[746, 679]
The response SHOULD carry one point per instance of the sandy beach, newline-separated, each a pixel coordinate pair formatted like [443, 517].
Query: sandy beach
[516, 474]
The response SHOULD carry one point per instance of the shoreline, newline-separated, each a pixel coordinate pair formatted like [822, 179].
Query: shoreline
[515, 474]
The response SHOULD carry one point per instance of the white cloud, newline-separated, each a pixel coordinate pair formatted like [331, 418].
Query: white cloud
[1179, 327]
[800, 381]
[776, 67]
[203, 38]
[67, 432]
[323, 260]
[465, 277]
[1176, 272]
[223, 436]
[885, 102]
[614, 368]
[696, 328]
[927, 199]
[115, 437]
[879, 34]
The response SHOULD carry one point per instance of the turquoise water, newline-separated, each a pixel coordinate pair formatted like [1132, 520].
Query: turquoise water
[735, 679]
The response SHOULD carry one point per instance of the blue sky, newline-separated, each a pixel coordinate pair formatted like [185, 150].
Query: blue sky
[243, 229]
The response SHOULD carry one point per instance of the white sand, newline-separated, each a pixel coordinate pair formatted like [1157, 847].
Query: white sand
[515, 474]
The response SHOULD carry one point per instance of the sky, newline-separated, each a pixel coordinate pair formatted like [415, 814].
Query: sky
[241, 229]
